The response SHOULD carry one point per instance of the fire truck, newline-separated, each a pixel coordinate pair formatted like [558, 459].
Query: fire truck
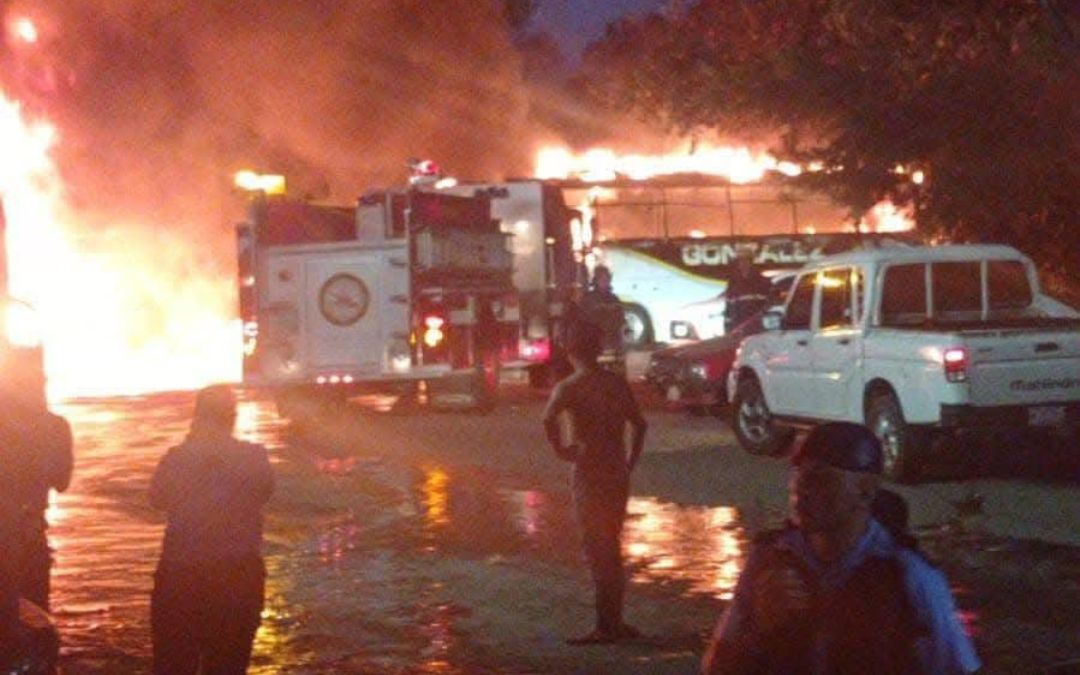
[406, 290]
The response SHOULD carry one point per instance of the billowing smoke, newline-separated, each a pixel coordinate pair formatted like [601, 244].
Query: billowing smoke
[158, 102]
[163, 99]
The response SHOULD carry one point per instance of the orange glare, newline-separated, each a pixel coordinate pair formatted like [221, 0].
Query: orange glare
[121, 306]
[739, 165]
[24, 30]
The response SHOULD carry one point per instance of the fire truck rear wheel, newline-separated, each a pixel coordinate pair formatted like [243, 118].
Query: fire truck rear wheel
[484, 385]
[638, 327]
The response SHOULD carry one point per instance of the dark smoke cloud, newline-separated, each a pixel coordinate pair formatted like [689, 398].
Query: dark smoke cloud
[163, 99]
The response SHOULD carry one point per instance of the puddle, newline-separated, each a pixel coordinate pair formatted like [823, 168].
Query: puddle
[701, 548]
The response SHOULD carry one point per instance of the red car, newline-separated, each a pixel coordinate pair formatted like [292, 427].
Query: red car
[693, 376]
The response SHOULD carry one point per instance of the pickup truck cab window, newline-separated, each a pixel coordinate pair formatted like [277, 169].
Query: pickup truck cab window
[957, 290]
[903, 295]
[801, 307]
[1008, 285]
[836, 306]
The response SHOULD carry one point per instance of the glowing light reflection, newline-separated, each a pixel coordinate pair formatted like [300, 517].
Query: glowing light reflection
[700, 546]
[436, 497]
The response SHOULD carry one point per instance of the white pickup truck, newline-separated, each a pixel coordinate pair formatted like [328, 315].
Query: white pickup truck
[913, 342]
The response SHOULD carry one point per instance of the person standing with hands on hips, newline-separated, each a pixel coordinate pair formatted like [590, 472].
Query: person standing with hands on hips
[600, 405]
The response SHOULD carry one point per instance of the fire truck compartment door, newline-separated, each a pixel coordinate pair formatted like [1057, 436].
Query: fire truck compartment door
[356, 310]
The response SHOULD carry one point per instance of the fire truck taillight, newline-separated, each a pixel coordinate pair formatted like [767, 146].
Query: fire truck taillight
[433, 331]
[251, 337]
[955, 361]
[538, 350]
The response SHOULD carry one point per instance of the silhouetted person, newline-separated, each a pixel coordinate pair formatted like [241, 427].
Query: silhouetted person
[600, 406]
[39, 444]
[747, 292]
[834, 593]
[11, 530]
[210, 580]
[602, 308]
[35, 457]
[486, 343]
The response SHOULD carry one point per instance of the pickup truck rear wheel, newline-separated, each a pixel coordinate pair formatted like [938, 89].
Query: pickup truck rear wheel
[752, 422]
[899, 442]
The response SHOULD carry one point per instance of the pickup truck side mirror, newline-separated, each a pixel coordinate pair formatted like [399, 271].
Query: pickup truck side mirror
[772, 319]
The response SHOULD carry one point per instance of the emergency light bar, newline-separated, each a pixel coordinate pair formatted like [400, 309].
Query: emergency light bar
[271, 184]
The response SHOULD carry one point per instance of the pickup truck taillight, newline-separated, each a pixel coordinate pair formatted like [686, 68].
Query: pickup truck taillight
[955, 360]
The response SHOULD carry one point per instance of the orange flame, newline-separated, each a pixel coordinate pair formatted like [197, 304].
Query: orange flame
[123, 309]
[739, 165]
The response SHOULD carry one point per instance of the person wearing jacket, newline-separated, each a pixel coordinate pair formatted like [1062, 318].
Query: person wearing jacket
[209, 584]
[834, 592]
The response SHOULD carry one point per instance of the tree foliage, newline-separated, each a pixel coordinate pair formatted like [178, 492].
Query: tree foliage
[982, 95]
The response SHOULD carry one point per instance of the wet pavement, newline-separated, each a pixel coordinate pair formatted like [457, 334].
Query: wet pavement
[422, 541]
[360, 548]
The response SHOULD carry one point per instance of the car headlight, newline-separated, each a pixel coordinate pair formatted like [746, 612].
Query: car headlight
[699, 371]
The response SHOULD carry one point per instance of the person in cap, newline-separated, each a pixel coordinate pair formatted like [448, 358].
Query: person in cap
[833, 592]
[600, 406]
[208, 588]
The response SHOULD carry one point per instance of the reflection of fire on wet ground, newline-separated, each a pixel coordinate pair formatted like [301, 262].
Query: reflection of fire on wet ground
[703, 548]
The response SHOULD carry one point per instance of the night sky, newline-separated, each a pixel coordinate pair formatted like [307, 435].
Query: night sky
[577, 22]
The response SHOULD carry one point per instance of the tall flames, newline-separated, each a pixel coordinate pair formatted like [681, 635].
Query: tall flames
[738, 165]
[120, 310]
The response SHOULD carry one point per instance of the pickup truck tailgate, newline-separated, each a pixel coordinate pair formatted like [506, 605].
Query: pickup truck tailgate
[1023, 366]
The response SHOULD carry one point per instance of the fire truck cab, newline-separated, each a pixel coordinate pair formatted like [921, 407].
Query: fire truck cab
[405, 287]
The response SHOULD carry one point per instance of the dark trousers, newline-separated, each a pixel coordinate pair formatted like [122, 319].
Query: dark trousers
[600, 505]
[206, 616]
[34, 582]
